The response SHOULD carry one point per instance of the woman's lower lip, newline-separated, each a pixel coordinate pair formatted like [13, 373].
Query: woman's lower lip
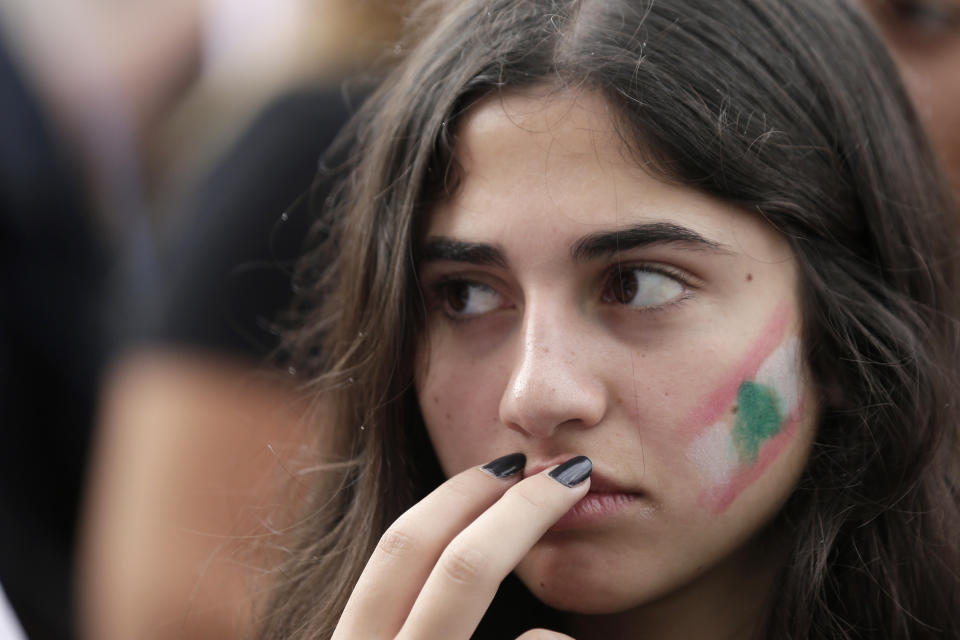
[594, 508]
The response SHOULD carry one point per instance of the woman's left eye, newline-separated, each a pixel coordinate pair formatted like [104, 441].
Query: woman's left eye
[642, 288]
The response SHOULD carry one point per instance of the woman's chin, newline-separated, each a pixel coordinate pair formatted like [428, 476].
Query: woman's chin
[573, 587]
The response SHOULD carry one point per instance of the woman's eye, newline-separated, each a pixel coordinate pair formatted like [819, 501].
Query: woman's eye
[642, 288]
[464, 299]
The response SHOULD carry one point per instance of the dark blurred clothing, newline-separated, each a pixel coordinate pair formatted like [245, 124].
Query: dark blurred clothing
[233, 245]
[52, 273]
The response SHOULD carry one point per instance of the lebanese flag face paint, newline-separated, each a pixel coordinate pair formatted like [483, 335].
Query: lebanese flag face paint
[751, 417]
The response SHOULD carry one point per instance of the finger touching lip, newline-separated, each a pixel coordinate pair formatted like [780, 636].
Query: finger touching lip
[607, 498]
[601, 480]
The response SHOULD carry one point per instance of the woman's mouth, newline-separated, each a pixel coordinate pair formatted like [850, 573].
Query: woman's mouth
[606, 499]
[593, 509]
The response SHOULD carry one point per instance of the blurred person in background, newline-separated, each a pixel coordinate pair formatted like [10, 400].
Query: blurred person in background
[72, 227]
[925, 38]
[52, 268]
[195, 431]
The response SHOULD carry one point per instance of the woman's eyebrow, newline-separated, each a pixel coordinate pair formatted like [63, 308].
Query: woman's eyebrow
[606, 243]
[442, 248]
[591, 247]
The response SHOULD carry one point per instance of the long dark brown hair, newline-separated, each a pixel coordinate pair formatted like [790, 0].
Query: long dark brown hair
[788, 108]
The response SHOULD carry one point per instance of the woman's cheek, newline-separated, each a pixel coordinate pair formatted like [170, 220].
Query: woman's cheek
[733, 451]
[460, 410]
[746, 422]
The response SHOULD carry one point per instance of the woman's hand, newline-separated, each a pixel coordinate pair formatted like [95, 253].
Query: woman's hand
[437, 568]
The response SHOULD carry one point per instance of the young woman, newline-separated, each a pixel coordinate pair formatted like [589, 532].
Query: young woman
[695, 248]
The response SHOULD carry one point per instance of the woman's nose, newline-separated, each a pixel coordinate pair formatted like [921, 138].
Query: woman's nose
[555, 382]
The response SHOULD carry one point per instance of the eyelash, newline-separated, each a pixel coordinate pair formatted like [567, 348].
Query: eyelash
[437, 291]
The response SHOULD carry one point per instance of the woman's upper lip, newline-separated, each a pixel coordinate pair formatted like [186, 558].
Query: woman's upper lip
[600, 479]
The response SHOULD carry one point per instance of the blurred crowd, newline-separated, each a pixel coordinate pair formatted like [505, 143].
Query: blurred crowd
[159, 163]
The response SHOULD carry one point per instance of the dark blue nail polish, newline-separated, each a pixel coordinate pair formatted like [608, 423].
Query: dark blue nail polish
[506, 466]
[573, 471]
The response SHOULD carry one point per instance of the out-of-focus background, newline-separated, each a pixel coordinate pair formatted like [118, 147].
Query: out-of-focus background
[152, 160]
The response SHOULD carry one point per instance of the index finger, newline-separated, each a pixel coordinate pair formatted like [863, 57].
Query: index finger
[408, 550]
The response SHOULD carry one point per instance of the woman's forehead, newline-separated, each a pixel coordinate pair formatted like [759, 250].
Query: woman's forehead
[570, 123]
[549, 167]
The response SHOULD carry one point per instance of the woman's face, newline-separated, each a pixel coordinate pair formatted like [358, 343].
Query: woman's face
[577, 305]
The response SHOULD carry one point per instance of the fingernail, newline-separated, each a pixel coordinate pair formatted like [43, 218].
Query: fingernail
[573, 471]
[506, 466]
